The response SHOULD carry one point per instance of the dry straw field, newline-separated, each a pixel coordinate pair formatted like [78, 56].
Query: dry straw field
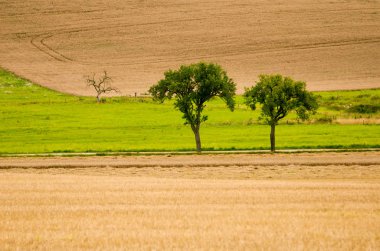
[330, 44]
[325, 201]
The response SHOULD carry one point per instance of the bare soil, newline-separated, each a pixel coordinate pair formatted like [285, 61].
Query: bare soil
[329, 44]
[350, 165]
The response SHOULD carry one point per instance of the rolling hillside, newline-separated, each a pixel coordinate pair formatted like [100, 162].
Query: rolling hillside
[330, 44]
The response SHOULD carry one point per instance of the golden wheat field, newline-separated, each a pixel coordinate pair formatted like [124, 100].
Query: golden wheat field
[329, 44]
[326, 201]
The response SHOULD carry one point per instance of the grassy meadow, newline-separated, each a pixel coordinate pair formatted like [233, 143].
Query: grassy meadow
[36, 120]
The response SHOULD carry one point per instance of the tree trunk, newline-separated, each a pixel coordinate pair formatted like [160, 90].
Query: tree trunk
[197, 139]
[98, 98]
[272, 138]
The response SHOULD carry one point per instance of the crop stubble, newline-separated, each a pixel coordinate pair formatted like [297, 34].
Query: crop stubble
[331, 45]
[157, 205]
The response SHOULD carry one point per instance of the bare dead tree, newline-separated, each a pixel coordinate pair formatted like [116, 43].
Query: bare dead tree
[101, 85]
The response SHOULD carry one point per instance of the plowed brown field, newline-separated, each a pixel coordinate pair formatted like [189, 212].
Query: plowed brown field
[213, 202]
[330, 44]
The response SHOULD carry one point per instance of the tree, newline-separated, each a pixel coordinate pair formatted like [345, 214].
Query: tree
[192, 86]
[278, 96]
[102, 85]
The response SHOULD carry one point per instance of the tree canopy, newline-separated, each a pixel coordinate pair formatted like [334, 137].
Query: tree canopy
[192, 86]
[278, 96]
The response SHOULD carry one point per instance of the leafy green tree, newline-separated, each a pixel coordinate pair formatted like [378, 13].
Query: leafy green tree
[191, 86]
[278, 96]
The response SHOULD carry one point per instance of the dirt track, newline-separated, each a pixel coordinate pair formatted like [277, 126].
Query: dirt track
[329, 44]
[345, 158]
[363, 165]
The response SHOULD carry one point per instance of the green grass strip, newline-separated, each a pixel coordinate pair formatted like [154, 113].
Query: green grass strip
[38, 120]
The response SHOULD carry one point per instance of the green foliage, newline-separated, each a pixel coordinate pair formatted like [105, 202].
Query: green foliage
[325, 120]
[280, 95]
[192, 86]
[348, 104]
[364, 109]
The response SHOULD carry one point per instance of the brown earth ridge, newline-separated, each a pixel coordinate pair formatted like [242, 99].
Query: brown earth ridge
[348, 165]
[329, 44]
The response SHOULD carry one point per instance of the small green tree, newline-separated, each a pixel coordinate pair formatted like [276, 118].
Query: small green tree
[192, 86]
[278, 96]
